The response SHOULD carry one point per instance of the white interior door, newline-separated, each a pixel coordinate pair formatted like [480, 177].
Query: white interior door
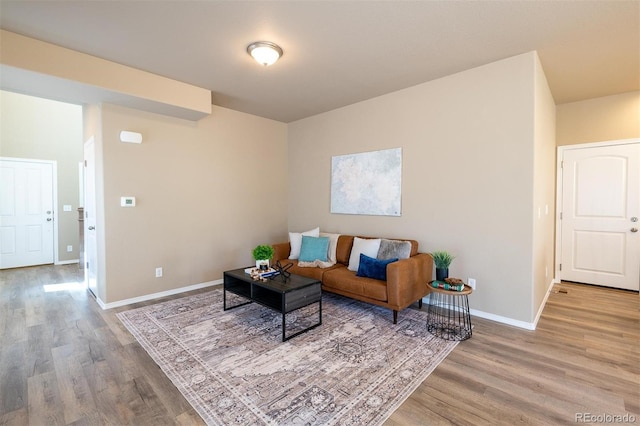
[26, 213]
[90, 240]
[600, 210]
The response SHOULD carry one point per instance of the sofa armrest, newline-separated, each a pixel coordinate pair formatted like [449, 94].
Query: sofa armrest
[407, 279]
[281, 251]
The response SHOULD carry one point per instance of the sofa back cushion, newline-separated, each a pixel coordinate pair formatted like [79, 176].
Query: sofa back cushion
[414, 247]
[343, 250]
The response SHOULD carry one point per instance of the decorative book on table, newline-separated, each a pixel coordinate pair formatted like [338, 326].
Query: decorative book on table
[446, 286]
[257, 272]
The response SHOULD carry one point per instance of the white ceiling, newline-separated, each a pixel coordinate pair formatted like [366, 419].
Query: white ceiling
[340, 52]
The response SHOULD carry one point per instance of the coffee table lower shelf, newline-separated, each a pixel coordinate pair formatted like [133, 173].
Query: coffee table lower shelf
[283, 296]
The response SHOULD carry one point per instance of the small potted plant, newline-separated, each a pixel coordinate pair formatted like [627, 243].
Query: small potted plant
[442, 259]
[262, 254]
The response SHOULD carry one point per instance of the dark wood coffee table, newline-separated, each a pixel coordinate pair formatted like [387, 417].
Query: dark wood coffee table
[282, 296]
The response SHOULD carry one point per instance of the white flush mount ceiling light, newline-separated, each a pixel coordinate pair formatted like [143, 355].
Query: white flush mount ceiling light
[265, 52]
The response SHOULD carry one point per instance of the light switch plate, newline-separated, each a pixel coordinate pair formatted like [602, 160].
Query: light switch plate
[127, 201]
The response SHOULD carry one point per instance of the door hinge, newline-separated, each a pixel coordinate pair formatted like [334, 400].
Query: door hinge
[85, 163]
[87, 265]
[561, 164]
[560, 215]
[561, 266]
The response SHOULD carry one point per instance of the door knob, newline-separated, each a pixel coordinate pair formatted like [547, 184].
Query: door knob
[91, 228]
[634, 219]
[49, 219]
[634, 229]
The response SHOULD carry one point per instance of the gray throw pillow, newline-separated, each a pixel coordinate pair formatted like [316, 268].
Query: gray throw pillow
[390, 249]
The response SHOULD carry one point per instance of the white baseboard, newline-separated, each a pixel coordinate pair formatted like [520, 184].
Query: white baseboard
[101, 303]
[156, 295]
[67, 262]
[543, 304]
[474, 312]
[503, 320]
[511, 321]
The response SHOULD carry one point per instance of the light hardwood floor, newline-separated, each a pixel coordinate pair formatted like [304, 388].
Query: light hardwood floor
[63, 360]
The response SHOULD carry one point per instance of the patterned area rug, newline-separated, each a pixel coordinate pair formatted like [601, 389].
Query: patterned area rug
[354, 369]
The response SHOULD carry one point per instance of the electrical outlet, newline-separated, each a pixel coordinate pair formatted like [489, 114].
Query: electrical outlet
[69, 248]
[158, 272]
[472, 283]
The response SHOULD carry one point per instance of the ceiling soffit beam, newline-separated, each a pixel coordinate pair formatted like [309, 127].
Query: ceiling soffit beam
[101, 80]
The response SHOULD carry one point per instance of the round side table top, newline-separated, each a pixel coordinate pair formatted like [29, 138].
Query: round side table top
[467, 290]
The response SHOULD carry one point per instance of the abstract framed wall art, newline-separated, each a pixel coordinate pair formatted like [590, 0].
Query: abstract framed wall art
[368, 183]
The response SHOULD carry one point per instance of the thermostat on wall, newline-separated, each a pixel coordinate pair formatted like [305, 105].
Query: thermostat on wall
[127, 201]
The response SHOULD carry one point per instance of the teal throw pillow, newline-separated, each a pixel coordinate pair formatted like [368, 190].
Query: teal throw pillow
[373, 268]
[314, 248]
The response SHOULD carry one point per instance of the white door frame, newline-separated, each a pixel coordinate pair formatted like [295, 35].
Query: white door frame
[54, 167]
[92, 265]
[559, 156]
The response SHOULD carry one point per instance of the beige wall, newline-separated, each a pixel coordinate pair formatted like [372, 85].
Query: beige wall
[468, 174]
[544, 154]
[601, 119]
[207, 192]
[42, 129]
[478, 166]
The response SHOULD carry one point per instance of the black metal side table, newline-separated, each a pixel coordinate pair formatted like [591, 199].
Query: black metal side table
[448, 315]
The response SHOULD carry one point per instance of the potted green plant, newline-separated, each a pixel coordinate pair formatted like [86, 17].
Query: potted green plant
[442, 260]
[262, 254]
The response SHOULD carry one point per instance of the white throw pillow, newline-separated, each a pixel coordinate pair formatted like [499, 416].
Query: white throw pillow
[295, 240]
[360, 245]
[333, 245]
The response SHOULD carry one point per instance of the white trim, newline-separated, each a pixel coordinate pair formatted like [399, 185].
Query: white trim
[543, 304]
[559, 177]
[67, 262]
[503, 320]
[27, 160]
[81, 184]
[598, 144]
[156, 295]
[56, 213]
[559, 158]
[100, 302]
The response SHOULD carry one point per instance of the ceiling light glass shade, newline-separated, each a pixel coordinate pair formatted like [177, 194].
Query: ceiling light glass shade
[265, 52]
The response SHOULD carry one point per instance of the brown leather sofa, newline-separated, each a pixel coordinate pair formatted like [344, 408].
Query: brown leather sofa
[406, 283]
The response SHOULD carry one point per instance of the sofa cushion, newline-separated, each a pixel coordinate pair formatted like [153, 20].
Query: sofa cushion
[346, 282]
[314, 248]
[295, 240]
[343, 249]
[390, 249]
[373, 268]
[369, 247]
[315, 273]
